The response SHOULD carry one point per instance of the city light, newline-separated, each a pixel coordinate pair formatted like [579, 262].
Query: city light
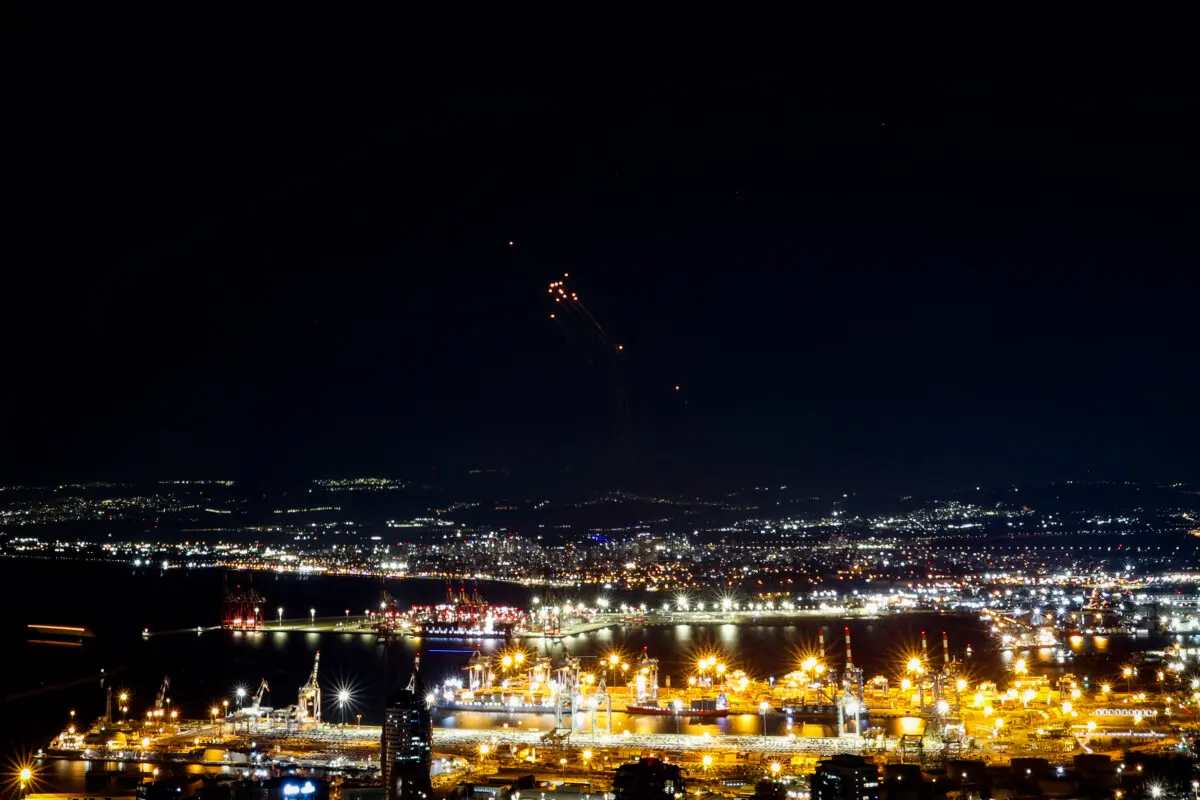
[1063, 607]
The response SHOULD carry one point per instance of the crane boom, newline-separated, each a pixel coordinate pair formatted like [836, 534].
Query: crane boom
[160, 699]
[309, 705]
[312, 679]
[258, 696]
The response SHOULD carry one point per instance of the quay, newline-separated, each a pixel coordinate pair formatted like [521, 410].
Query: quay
[370, 623]
[349, 623]
[356, 748]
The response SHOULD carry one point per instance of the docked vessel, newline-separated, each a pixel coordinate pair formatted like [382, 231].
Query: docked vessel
[451, 631]
[462, 616]
[810, 711]
[670, 711]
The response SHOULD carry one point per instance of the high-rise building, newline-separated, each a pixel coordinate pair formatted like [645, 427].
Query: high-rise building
[846, 777]
[406, 754]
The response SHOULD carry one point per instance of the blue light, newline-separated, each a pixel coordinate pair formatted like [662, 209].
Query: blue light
[291, 789]
[307, 788]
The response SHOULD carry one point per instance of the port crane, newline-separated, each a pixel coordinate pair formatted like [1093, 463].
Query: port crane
[309, 706]
[258, 696]
[161, 699]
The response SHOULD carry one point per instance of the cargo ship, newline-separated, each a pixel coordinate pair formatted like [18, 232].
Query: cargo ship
[704, 707]
[462, 616]
[809, 711]
[669, 711]
[447, 631]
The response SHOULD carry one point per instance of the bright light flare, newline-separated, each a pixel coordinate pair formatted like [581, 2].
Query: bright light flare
[710, 661]
[347, 697]
[23, 776]
[512, 658]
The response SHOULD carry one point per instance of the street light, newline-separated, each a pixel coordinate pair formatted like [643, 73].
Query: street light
[344, 698]
[312, 613]
[763, 707]
[241, 695]
[280, 610]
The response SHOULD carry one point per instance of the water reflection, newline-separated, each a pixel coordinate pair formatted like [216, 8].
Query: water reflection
[61, 776]
[207, 668]
[638, 724]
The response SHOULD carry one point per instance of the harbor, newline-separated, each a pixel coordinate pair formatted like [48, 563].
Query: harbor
[541, 706]
[568, 695]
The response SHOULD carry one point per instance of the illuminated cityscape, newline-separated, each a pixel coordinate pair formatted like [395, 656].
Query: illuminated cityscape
[411, 431]
[1021, 605]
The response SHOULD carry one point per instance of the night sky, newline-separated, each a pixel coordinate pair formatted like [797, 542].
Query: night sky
[295, 272]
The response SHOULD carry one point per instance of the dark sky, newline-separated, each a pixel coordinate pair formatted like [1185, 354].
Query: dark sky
[291, 268]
